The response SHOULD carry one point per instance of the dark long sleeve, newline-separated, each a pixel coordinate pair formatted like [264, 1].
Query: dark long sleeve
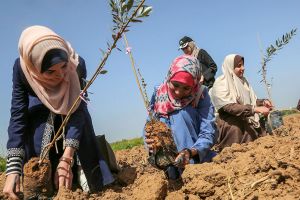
[209, 65]
[74, 127]
[19, 113]
[238, 110]
[18, 120]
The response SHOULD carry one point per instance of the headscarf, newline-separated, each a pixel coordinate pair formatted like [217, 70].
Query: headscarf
[184, 78]
[165, 103]
[34, 43]
[229, 88]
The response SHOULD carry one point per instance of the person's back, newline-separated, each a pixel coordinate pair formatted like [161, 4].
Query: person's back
[208, 65]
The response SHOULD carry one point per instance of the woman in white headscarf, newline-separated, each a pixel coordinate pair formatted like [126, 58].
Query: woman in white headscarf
[47, 78]
[237, 105]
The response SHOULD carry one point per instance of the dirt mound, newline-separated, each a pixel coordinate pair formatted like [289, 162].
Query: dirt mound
[268, 168]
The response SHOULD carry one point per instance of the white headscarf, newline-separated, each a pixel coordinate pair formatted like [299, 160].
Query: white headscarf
[58, 97]
[229, 88]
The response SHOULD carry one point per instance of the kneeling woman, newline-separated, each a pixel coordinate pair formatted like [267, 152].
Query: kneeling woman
[184, 105]
[237, 105]
[47, 78]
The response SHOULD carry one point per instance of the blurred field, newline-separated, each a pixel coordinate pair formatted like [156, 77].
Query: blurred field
[126, 144]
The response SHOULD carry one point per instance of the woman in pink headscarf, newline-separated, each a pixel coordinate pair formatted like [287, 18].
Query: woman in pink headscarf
[47, 78]
[184, 105]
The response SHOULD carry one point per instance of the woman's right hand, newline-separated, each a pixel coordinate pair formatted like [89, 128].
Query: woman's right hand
[262, 109]
[12, 186]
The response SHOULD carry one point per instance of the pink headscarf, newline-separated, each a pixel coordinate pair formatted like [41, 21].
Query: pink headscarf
[58, 97]
[184, 77]
[165, 103]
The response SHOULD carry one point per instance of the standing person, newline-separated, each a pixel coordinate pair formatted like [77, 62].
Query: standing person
[237, 105]
[184, 105]
[298, 105]
[208, 65]
[47, 78]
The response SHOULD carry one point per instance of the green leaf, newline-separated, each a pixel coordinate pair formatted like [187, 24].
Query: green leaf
[129, 4]
[136, 20]
[146, 11]
[123, 7]
[140, 12]
[103, 71]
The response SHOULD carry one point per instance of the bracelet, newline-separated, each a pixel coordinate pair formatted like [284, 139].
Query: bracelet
[70, 161]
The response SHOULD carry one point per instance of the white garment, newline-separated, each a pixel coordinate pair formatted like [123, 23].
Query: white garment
[82, 178]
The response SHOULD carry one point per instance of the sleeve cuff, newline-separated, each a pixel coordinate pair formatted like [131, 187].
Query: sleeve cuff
[14, 165]
[72, 143]
[15, 152]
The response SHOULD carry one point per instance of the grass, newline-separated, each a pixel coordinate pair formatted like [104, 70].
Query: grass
[289, 112]
[126, 144]
[2, 164]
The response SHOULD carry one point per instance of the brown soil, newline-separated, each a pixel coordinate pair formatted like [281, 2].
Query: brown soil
[164, 148]
[37, 179]
[268, 168]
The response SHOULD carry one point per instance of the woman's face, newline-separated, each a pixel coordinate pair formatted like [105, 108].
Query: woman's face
[56, 72]
[180, 90]
[239, 69]
[187, 50]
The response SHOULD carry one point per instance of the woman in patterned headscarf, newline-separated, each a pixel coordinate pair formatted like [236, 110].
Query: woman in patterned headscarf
[184, 105]
[237, 104]
[47, 78]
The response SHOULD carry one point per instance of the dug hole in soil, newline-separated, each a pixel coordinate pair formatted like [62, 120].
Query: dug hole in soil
[268, 168]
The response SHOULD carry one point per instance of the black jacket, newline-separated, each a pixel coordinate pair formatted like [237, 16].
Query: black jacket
[209, 67]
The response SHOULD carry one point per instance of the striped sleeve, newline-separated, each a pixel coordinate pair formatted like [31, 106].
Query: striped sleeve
[14, 165]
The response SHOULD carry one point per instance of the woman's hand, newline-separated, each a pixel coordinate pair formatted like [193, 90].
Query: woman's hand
[150, 143]
[267, 103]
[12, 186]
[184, 157]
[63, 175]
[262, 109]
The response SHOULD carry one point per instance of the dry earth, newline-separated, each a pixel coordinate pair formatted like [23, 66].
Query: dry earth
[268, 168]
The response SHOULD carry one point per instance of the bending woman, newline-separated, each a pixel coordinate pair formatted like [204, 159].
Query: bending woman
[237, 105]
[184, 105]
[47, 78]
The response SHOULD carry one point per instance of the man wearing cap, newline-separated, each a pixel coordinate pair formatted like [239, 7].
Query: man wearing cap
[209, 67]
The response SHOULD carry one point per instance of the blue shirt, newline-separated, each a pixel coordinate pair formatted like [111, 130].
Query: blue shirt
[193, 127]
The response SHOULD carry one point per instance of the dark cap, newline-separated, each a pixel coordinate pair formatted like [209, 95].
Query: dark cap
[183, 42]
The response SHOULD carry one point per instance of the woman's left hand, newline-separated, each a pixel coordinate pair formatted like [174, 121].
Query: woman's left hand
[267, 103]
[63, 175]
[182, 159]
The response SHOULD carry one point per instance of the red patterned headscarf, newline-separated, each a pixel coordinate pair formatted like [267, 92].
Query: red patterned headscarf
[165, 103]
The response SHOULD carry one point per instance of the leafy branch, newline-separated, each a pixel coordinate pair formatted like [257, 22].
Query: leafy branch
[270, 52]
[124, 12]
